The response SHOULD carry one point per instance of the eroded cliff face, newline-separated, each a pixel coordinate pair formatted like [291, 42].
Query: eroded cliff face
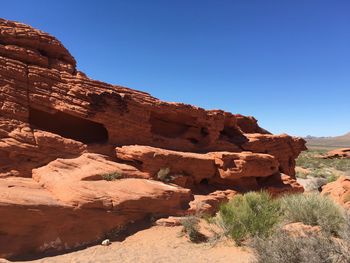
[61, 133]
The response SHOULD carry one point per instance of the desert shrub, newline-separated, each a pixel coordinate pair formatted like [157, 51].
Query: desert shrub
[345, 233]
[314, 209]
[316, 248]
[252, 214]
[191, 227]
[163, 175]
[111, 176]
[332, 178]
[312, 159]
[341, 164]
[322, 172]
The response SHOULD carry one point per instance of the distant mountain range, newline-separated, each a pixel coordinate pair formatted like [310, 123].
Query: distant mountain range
[342, 141]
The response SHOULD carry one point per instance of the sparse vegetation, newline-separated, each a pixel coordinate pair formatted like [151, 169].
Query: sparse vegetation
[315, 248]
[314, 166]
[318, 166]
[331, 245]
[111, 176]
[322, 173]
[252, 214]
[345, 233]
[314, 209]
[258, 219]
[332, 178]
[191, 228]
[164, 175]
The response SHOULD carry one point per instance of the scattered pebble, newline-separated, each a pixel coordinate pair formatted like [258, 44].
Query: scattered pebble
[106, 242]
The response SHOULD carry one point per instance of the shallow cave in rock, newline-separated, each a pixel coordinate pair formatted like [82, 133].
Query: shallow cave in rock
[68, 126]
[204, 181]
[168, 126]
[233, 135]
[178, 126]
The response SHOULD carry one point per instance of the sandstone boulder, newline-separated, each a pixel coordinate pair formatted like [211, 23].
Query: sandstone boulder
[209, 204]
[339, 191]
[283, 147]
[199, 167]
[338, 153]
[69, 205]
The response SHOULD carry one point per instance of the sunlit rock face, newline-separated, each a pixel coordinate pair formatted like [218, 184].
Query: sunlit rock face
[97, 156]
[338, 191]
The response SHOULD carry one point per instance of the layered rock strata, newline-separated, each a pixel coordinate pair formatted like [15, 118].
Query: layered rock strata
[80, 158]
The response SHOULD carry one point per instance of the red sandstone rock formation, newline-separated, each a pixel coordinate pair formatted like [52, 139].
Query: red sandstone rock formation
[213, 166]
[338, 153]
[339, 191]
[63, 135]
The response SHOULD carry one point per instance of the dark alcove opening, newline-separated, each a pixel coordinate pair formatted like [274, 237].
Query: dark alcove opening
[68, 126]
[168, 126]
[233, 135]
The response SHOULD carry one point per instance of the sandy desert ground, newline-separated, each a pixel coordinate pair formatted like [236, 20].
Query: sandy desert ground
[157, 244]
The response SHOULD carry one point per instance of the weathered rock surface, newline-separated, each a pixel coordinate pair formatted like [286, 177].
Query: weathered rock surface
[285, 149]
[338, 153]
[43, 97]
[63, 136]
[72, 205]
[209, 204]
[339, 191]
[280, 184]
[311, 184]
[199, 167]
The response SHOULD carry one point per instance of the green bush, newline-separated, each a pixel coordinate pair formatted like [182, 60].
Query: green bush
[281, 247]
[111, 176]
[314, 209]
[310, 209]
[252, 214]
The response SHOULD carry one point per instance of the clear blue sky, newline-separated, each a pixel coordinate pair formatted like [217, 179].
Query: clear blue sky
[286, 62]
